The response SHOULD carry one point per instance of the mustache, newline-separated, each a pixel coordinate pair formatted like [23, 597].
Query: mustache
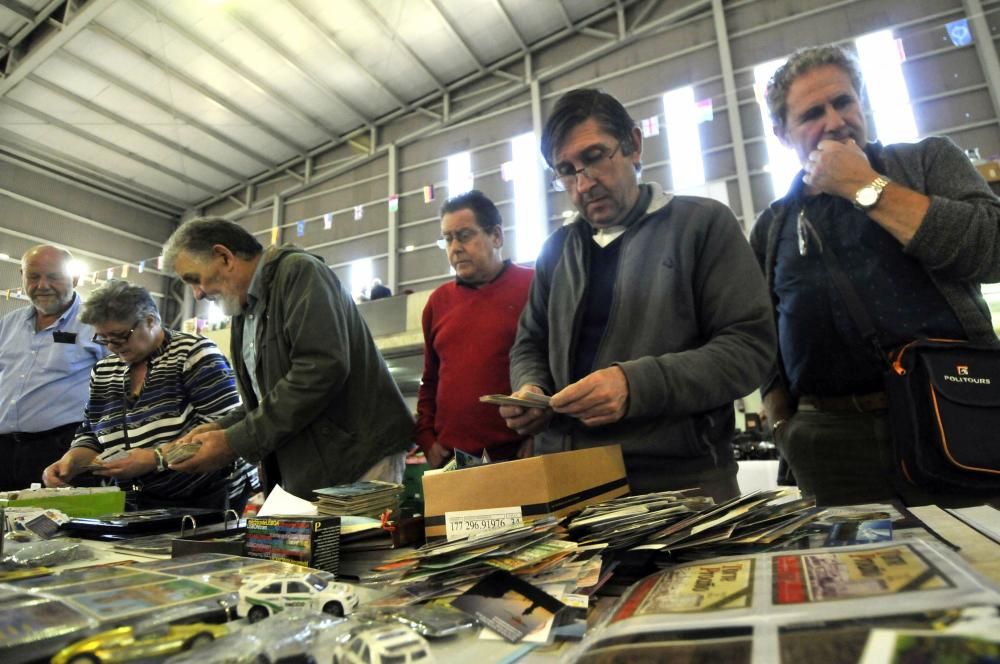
[593, 194]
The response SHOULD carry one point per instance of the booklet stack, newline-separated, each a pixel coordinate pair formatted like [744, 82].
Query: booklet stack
[366, 498]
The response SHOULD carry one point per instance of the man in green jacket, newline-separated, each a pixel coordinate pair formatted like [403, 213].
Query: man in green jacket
[319, 405]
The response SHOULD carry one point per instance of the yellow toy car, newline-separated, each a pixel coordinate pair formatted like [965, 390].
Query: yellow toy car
[126, 644]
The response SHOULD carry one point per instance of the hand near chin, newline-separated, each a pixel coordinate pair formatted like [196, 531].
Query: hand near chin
[839, 169]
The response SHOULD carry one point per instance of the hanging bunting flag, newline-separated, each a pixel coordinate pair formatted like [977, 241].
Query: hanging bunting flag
[274, 234]
[703, 110]
[359, 212]
[328, 221]
[507, 171]
[6, 294]
[651, 126]
[125, 271]
[300, 228]
[20, 293]
[94, 278]
[959, 32]
[393, 203]
[428, 193]
[110, 273]
[159, 262]
[142, 266]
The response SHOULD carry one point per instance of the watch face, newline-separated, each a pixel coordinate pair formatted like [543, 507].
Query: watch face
[866, 196]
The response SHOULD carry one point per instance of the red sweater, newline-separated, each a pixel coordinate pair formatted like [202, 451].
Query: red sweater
[468, 333]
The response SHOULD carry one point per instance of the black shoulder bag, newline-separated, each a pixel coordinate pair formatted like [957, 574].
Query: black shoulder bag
[944, 402]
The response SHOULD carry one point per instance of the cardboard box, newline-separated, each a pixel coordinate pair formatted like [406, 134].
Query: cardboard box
[990, 171]
[557, 484]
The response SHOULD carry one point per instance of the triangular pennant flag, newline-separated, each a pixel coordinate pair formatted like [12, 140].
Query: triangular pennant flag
[94, 278]
[393, 203]
[142, 266]
[111, 273]
[651, 126]
[328, 221]
[159, 262]
[124, 270]
[703, 110]
[300, 228]
[428, 193]
[274, 234]
[507, 171]
[359, 212]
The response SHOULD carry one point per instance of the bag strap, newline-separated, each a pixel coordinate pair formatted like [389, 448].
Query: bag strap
[855, 307]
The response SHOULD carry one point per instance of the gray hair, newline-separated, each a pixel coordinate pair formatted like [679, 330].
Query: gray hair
[801, 62]
[198, 236]
[118, 301]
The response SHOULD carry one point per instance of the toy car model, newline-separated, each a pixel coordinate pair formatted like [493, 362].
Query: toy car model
[125, 644]
[383, 644]
[264, 595]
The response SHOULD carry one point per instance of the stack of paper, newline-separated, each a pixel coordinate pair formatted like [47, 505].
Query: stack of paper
[366, 498]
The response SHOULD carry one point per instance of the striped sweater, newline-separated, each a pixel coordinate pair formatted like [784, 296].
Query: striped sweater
[188, 383]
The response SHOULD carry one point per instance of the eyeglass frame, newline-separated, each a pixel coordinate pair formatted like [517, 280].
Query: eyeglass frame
[571, 178]
[444, 241]
[102, 340]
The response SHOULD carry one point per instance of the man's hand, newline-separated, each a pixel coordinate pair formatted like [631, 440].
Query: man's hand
[838, 168]
[65, 469]
[526, 421]
[186, 438]
[597, 399]
[137, 462]
[438, 455]
[215, 452]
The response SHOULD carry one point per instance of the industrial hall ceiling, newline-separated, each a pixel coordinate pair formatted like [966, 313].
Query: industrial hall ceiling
[178, 103]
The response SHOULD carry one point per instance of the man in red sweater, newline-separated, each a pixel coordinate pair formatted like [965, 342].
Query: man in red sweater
[469, 327]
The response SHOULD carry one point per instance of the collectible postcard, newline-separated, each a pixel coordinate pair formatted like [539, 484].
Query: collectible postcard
[698, 587]
[122, 602]
[510, 606]
[525, 401]
[834, 575]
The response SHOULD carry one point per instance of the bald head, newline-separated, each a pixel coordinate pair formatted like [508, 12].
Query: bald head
[45, 275]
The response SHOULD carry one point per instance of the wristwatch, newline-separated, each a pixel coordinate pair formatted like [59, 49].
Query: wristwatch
[868, 196]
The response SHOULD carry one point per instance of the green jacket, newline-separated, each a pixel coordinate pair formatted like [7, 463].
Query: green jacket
[330, 408]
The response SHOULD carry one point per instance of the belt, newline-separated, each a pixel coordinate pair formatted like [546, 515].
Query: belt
[26, 436]
[852, 403]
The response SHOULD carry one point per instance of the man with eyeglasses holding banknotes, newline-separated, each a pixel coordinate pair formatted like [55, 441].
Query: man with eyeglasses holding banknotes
[647, 317]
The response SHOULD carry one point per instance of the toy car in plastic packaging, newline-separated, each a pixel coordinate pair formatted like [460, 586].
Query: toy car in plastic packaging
[265, 595]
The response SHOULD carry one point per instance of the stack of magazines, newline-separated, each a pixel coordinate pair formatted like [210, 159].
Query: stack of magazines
[366, 498]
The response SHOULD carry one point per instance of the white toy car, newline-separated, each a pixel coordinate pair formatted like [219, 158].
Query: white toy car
[267, 594]
[383, 644]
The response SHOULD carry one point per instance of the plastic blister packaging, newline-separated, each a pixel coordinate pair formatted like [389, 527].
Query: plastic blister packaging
[48, 553]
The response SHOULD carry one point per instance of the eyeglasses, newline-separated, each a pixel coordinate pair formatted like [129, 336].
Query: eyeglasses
[462, 236]
[593, 166]
[115, 339]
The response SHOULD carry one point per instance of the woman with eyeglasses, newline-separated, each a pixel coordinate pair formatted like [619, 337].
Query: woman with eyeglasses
[156, 385]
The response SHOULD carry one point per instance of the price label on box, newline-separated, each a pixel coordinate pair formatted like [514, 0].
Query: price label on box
[470, 522]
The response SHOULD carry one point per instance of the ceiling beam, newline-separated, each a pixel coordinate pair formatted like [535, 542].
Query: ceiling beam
[17, 149]
[24, 11]
[199, 87]
[159, 104]
[447, 118]
[510, 24]
[293, 62]
[397, 39]
[136, 127]
[334, 44]
[108, 145]
[39, 53]
[454, 33]
[238, 68]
